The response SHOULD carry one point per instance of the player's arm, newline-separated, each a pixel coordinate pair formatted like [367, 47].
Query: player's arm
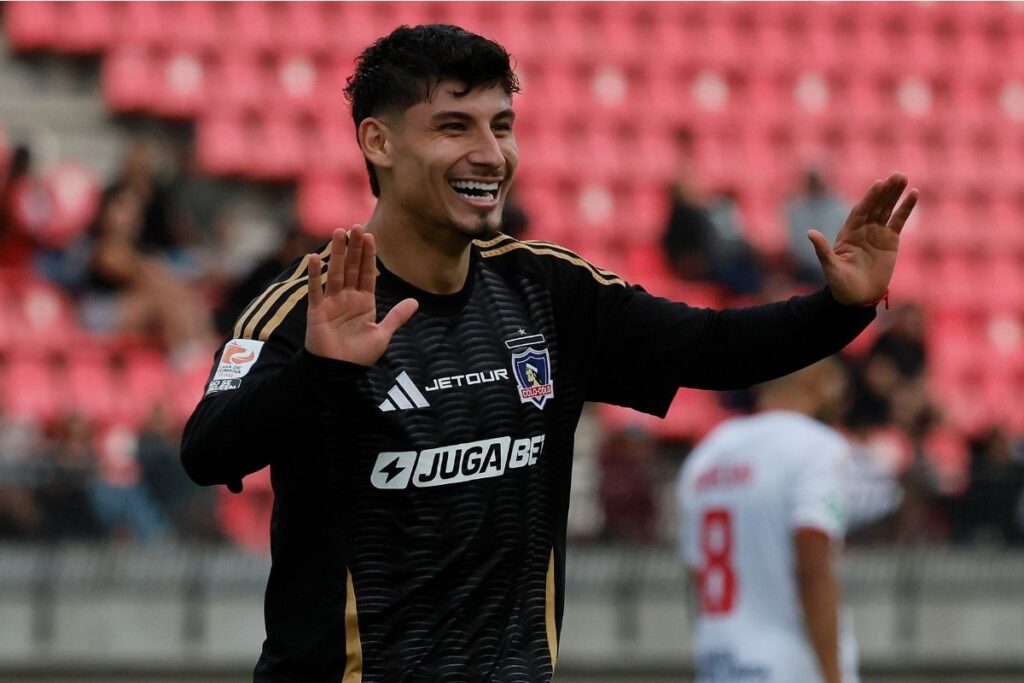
[818, 591]
[275, 408]
[817, 520]
[637, 350]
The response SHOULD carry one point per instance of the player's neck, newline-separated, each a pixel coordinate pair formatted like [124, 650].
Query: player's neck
[423, 258]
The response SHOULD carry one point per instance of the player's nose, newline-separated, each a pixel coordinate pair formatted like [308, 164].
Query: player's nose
[487, 151]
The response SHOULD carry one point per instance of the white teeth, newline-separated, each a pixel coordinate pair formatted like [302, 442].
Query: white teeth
[473, 185]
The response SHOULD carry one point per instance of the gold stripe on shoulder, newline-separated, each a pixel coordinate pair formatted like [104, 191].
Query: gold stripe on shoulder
[287, 307]
[569, 252]
[493, 242]
[604, 277]
[248, 321]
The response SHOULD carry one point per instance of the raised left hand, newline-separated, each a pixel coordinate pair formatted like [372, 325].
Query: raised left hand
[859, 266]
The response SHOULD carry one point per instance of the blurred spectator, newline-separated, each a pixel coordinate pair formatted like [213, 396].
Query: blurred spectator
[878, 458]
[190, 509]
[921, 518]
[689, 232]
[120, 500]
[626, 492]
[890, 385]
[988, 509]
[294, 244]
[874, 384]
[20, 514]
[26, 209]
[130, 291]
[71, 472]
[159, 233]
[734, 263]
[818, 208]
[903, 341]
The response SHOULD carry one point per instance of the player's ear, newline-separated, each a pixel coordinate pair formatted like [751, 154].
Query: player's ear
[375, 141]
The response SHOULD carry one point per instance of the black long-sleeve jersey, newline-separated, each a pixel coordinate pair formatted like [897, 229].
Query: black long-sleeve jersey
[420, 508]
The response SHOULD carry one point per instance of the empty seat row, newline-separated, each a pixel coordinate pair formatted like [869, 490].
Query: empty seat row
[738, 31]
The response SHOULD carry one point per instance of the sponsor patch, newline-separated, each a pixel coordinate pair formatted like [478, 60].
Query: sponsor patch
[531, 366]
[455, 464]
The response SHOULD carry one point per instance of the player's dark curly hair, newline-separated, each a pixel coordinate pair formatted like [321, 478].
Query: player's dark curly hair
[403, 68]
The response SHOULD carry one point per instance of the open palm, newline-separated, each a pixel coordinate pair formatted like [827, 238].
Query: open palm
[859, 266]
[341, 319]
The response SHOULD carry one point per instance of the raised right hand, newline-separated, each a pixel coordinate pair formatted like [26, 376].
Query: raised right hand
[341, 320]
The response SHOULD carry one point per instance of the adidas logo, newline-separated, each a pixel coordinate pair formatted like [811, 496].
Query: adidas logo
[403, 396]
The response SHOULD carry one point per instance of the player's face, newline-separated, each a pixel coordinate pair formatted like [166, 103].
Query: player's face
[454, 157]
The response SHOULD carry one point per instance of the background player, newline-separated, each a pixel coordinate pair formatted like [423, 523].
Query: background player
[762, 505]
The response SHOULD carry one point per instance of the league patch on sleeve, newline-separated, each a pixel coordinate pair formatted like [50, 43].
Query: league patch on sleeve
[235, 363]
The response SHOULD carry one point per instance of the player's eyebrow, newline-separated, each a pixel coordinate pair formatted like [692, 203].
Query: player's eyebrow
[507, 113]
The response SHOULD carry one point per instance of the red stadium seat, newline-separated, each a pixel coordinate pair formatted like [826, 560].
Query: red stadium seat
[43, 319]
[193, 27]
[183, 85]
[1003, 232]
[1000, 282]
[954, 283]
[645, 266]
[275, 149]
[330, 145]
[142, 23]
[85, 27]
[237, 81]
[354, 25]
[31, 25]
[91, 387]
[221, 144]
[297, 84]
[30, 389]
[326, 202]
[130, 79]
[144, 384]
[246, 27]
[304, 28]
[187, 386]
[543, 204]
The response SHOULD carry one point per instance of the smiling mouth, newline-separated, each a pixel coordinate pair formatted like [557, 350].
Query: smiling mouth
[475, 190]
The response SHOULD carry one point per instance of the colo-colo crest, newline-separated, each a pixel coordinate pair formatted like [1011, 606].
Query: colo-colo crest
[531, 367]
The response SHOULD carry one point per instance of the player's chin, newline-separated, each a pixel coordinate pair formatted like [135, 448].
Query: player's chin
[481, 226]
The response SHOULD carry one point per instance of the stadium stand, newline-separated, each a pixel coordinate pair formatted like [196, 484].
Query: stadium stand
[764, 87]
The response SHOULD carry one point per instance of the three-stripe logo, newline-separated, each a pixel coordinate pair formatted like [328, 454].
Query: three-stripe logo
[404, 395]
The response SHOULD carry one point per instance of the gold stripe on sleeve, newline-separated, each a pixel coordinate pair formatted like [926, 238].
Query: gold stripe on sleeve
[353, 647]
[549, 612]
[604, 277]
[268, 303]
[284, 310]
[247, 322]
